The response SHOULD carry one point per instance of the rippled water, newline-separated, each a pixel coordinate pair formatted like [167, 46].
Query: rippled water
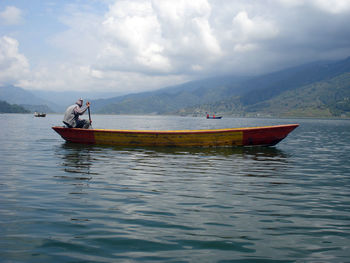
[63, 202]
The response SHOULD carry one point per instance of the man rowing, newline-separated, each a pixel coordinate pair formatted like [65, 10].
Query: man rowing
[71, 117]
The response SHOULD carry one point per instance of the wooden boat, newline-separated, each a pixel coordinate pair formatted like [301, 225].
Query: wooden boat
[216, 117]
[39, 114]
[263, 136]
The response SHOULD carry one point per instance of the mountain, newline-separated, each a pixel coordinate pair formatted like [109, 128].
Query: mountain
[63, 99]
[318, 89]
[327, 98]
[171, 99]
[246, 95]
[11, 108]
[37, 108]
[273, 84]
[25, 98]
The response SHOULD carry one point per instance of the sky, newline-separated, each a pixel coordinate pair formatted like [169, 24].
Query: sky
[140, 45]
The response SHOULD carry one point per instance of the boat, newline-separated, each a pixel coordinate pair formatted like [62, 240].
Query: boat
[214, 117]
[39, 114]
[254, 136]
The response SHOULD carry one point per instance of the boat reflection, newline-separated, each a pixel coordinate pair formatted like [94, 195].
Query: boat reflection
[76, 160]
[78, 156]
[232, 161]
[257, 153]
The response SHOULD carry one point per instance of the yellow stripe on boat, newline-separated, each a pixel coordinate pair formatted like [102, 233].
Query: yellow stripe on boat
[170, 138]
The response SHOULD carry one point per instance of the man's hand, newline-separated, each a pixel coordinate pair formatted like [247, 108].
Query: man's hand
[88, 104]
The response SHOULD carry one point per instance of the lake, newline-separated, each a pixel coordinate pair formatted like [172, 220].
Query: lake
[63, 202]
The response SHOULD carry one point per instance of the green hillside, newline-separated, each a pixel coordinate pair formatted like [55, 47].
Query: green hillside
[169, 100]
[271, 85]
[25, 98]
[316, 90]
[11, 108]
[329, 98]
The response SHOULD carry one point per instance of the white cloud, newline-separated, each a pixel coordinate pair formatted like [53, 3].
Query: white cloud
[292, 3]
[255, 29]
[197, 68]
[13, 65]
[82, 38]
[11, 16]
[206, 37]
[245, 47]
[333, 6]
[148, 44]
[133, 37]
[188, 35]
[328, 6]
[151, 35]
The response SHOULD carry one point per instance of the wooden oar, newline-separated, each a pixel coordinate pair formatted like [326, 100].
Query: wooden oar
[89, 115]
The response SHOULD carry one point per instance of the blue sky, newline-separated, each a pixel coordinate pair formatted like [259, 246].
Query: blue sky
[131, 46]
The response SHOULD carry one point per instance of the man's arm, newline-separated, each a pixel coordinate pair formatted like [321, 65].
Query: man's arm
[80, 110]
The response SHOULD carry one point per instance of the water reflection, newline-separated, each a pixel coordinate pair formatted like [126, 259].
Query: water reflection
[257, 153]
[76, 160]
[79, 161]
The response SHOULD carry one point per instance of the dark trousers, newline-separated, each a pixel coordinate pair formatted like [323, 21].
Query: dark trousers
[85, 124]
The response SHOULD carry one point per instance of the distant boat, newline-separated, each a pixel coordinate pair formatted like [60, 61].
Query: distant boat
[214, 117]
[259, 136]
[39, 114]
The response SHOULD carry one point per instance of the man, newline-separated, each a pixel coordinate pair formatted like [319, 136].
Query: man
[71, 116]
